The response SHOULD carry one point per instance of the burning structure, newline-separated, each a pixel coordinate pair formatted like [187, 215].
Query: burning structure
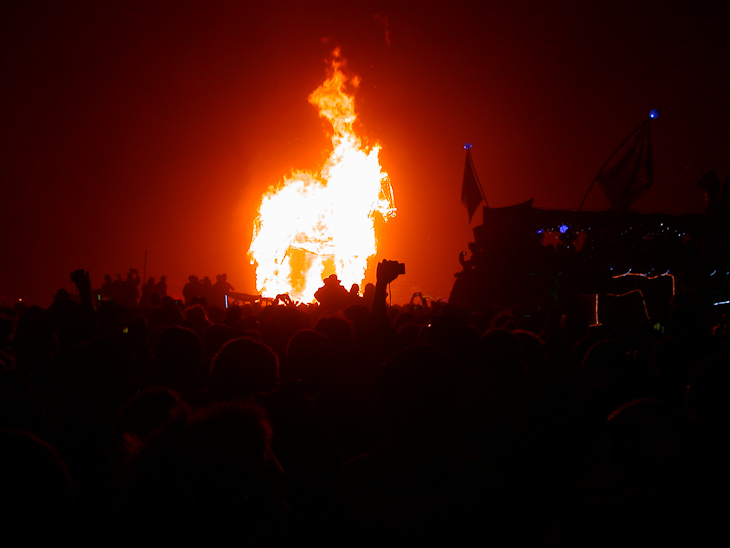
[315, 224]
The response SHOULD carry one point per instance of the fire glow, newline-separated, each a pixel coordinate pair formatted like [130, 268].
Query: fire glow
[313, 225]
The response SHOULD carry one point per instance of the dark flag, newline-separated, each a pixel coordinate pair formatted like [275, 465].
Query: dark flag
[471, 194]
[629, 173]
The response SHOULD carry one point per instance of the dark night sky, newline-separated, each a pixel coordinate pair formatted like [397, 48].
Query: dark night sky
[155, 126]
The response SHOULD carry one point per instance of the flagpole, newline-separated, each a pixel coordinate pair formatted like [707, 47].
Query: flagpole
[474, 171]
[641, 125]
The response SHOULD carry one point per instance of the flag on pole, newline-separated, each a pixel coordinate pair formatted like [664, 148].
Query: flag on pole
[630, 173]
[471, 194]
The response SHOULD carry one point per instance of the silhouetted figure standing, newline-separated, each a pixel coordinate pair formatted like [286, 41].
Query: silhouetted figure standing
[206, 290]
[220, 290]
[128, 289]
[161, 287]
[355, 294]
[148, 289]
[107, 288]
[192, 289]
[332, 296]
[368, 295]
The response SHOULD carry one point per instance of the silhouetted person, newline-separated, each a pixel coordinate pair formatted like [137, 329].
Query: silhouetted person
[197, 320]
[128, 289]
[211, 482]
[155, 300]
[148, 289]
[139, 420]
[417, 489]
[384, 334]
[220, 290]
[332, 296]
[243, 368]
[161, 287]
[215, 337]
[355, 294]
[472, 262]
[192, 289]
[340, 332]
[107, 288]
[311, 359]
[278, 324]
[367, 295]
[36, 498]
[206, 290]
[64, 317]
[34, 342]
[179, 353]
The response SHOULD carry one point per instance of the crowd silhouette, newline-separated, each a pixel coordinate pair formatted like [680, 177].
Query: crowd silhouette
[128, 418]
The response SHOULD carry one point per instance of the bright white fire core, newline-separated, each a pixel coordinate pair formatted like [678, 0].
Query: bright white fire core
[313, 225]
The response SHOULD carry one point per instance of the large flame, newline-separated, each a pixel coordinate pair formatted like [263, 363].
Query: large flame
[313, 225]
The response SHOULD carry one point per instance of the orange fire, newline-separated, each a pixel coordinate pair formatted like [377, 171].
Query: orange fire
[313, 225]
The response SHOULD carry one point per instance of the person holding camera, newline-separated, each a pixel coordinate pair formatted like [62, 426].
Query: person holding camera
[386, 272]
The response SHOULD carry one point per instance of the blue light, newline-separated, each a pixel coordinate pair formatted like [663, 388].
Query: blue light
[539, 231]
[467, 146]
[653, 113]
[563, 229]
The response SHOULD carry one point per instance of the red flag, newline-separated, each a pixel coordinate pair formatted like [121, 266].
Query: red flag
[630, 173]
[471, 195]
